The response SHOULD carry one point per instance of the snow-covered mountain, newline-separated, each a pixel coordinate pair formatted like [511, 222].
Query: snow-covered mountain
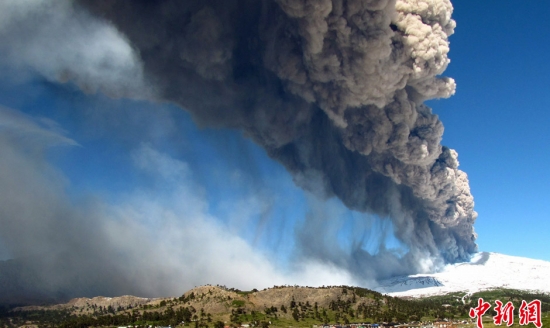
[484, 271]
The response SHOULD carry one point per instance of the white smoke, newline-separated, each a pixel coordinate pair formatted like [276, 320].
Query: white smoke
[152, 241]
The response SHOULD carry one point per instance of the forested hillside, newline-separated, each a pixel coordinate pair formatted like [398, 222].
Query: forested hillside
[280, 306]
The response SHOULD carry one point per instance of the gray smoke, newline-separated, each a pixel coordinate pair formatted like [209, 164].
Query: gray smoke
[62, 42]
[333, 89]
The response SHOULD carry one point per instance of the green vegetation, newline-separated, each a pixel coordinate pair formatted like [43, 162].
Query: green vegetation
[344, 305]
[237, 303]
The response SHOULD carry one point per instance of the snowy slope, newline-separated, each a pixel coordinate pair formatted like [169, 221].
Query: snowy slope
[484, 271]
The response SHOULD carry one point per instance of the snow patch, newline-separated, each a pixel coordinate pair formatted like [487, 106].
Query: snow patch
[484, 271]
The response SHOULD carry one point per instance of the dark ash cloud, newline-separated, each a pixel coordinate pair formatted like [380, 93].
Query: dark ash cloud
[332, 89]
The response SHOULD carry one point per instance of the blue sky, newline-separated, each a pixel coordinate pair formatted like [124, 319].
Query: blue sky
[497, 121]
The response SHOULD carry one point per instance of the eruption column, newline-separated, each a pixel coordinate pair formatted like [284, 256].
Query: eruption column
[332, 89]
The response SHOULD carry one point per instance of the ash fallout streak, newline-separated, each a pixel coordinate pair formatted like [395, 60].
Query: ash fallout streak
[333, 89]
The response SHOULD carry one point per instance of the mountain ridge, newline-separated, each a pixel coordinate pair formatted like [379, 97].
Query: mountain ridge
[485, 271]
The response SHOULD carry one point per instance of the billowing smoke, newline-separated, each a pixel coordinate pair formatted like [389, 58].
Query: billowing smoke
[333, 89]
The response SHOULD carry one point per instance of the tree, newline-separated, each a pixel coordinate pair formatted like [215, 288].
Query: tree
[295, 314]
[346, 321]
[218, 324]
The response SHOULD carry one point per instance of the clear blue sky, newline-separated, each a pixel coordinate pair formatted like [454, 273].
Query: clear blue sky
[497, 121]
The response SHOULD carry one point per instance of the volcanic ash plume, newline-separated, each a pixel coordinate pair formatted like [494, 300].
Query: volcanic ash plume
[333, 89]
